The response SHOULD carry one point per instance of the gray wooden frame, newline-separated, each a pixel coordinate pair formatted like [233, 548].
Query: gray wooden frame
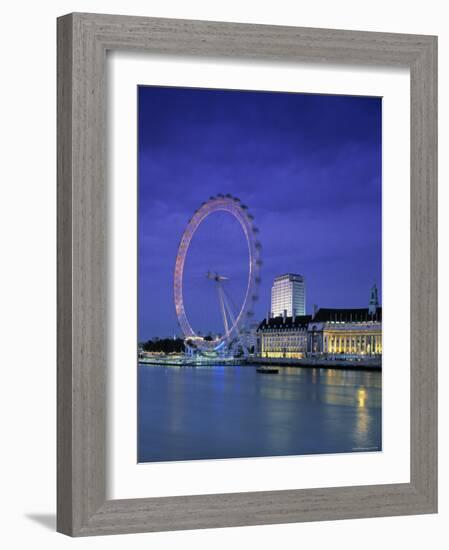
[83, 40]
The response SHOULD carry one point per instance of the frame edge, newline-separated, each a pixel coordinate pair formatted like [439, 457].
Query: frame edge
[64, 274]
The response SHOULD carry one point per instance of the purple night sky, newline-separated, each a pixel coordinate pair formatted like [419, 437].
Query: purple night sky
[309, 168]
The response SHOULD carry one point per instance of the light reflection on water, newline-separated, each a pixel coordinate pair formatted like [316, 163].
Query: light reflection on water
[224, 412]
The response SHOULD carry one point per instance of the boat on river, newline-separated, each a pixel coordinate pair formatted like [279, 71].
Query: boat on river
[267, 370]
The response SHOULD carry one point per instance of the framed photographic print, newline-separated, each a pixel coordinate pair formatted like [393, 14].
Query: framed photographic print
[246, 274]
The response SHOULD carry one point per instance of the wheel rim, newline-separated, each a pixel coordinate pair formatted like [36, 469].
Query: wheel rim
[240, 212]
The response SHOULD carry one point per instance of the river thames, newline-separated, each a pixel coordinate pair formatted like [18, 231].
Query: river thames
[191, 413]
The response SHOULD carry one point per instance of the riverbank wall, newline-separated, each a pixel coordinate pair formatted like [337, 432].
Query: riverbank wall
[313, 362]
[310, 362]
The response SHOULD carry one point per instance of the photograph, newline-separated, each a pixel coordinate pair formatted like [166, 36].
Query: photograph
[259, 274]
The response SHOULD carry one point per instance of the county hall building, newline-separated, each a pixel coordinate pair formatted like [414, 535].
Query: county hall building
[346, 333]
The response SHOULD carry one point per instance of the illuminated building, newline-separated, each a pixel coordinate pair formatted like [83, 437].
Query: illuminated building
[288, 295]
[328, 333]
[349, 332]
[284, 336]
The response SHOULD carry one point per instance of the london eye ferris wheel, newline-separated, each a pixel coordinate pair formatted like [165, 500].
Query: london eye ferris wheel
[235, 322]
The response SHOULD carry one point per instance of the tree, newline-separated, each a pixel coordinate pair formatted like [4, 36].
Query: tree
[164, 345]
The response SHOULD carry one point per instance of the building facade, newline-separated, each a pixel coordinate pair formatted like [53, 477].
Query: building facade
[328, 333]
[288, 296]
[284, 336]
[345, 332]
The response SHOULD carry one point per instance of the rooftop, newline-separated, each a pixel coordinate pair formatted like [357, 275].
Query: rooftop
[347, 315]
[278, 322]
[289, 276]
[323, 315]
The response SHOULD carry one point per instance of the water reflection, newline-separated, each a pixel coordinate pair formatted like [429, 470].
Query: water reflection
[361, 395]
[224, 412]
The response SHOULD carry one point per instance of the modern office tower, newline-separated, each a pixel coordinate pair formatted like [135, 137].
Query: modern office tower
[288, 294]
